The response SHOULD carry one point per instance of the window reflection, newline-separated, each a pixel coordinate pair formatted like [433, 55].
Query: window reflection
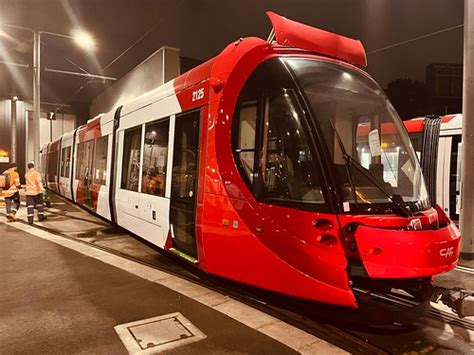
[65, 161]
[131, 159]
[287, 167]
[270, 138]
[100, 166]
[155, 156]
[345, 101]
[52, 166]
[84, 160]
[246, 140]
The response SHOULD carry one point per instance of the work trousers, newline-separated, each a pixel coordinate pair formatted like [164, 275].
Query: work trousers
[12, 203]
[32, 202]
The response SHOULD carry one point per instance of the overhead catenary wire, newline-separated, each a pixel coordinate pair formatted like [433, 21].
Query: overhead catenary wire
[125, 51]
[414, 39]
[130, 47]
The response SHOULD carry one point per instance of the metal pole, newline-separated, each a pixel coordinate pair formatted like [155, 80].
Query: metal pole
[36, 95]
[13, 113]
[467, 164]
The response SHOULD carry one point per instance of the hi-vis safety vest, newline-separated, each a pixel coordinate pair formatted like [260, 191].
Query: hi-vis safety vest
[11, 180]
[34, 185]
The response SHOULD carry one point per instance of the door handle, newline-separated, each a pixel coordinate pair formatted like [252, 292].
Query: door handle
[323, 224]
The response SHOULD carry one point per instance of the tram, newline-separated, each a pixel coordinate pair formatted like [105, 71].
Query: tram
[437, 142]
[280, 164]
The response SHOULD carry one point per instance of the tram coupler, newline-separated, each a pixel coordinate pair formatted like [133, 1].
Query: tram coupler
[460, 300]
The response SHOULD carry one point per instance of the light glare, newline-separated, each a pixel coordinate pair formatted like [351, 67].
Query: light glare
[84, 40]
[346, 75]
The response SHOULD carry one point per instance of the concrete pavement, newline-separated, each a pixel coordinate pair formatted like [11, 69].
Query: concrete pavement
[57, 300]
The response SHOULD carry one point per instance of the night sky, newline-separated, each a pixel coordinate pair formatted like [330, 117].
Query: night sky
[201, 28]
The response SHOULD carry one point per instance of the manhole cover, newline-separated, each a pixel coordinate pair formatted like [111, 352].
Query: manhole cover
[158, 333]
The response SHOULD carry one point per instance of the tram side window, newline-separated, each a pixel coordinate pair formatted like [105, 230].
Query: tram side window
[246, 140]
[52, 166]
[100, 168]
[80, 161]
[84, 160]
[131, 159]
[271, 143]
[65, 162]
[455, 178]
[43, 162]
[155, 157]
[287, 168]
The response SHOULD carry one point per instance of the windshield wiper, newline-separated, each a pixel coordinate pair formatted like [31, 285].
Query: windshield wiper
[350, 161]
[346, 162]
[375, 181]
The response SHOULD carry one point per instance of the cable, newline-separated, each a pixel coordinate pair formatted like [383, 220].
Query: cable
[130, 47]
[415, 39]
[123, 52]
[136, 42]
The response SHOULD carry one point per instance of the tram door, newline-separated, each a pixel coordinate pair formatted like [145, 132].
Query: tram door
[184, 184]
[85, 161]
[89, 175]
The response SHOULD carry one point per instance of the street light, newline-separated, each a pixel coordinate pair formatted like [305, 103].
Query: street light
[82, 39]
[51, 117]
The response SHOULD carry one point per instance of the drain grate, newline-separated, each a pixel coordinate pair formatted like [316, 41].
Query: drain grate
[158, 333]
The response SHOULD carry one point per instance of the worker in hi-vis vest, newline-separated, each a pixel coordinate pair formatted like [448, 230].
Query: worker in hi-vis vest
[34, 193]
[11, 191]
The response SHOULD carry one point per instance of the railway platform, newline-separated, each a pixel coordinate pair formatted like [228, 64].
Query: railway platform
[75, 283]
[62, 295]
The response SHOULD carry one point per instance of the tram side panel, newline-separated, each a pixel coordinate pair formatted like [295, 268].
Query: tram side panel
[83, 175]
[92, 163]
[49, 165]
[102, 170]
[65, 165]
[74, 170]
[126, 200]
[144, 168]
[52, 176]
[154, 189]
[44, 164]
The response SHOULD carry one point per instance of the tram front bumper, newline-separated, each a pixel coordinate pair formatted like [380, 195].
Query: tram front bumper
[408, 254]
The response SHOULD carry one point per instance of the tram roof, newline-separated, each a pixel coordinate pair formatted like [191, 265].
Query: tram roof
[289, 36]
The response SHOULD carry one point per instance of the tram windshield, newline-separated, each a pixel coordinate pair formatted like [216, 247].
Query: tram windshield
[372, 155]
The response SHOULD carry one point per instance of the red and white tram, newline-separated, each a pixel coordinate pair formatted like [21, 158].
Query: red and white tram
[277, 164]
